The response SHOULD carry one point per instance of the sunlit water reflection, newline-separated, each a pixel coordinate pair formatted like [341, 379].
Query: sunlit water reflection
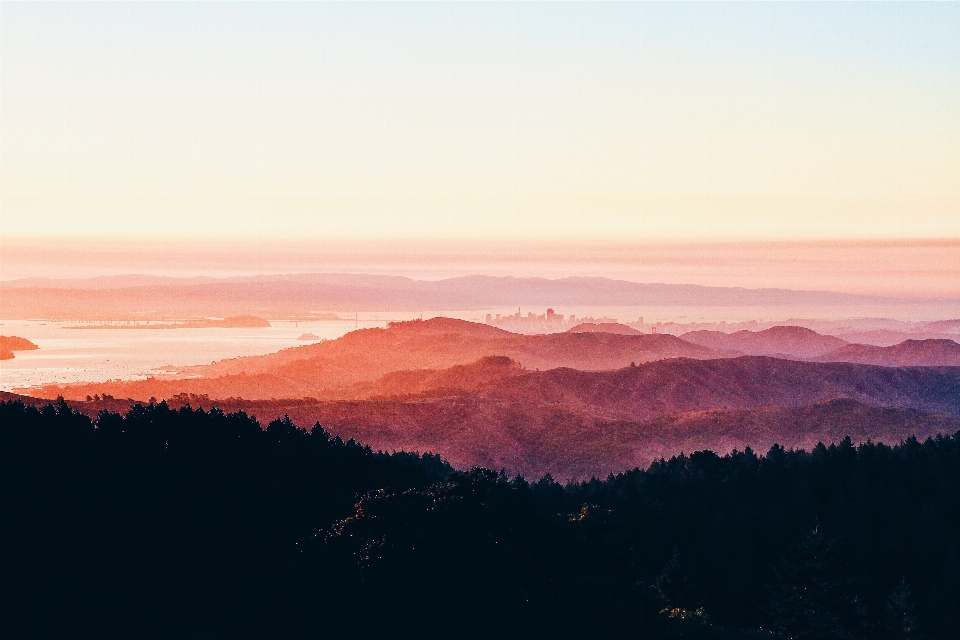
[93, 355]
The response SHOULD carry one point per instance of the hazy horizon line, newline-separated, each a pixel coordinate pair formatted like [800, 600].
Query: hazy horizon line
[149, 280]
[928, 268]
[514, 239]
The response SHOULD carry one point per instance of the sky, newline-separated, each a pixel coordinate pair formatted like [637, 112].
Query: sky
[521, 122]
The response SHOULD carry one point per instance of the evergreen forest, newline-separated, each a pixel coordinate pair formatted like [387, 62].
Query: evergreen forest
[188, 523]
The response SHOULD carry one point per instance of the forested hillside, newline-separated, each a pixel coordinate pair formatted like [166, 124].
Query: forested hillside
[184, 523]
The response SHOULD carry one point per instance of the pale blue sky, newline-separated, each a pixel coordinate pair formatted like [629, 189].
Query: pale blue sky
[646, 121]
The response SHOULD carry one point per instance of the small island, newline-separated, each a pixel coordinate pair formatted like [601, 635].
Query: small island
[9, 344]
[308, 336]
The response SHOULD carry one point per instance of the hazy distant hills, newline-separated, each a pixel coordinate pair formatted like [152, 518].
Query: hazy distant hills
[104, 282]
[909, 353]
[425, 383]
[122, 296]
[320, 370]
[582, 291]
[887, 338]
[796, 342]
[604, 327]
[681, 385]
[574, 404]
[353, 365]
[534, 438]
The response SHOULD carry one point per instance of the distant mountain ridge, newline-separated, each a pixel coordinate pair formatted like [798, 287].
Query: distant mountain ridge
[681, 385]
[571, 404]
[320, 369]
[797, 342]
[884, 338]
[909, 353]
[334, 368]
[604, 327]
[424, 383]
[534, 439]
[112, 297]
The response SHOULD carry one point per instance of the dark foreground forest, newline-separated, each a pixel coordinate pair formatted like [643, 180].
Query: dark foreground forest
[190, 524]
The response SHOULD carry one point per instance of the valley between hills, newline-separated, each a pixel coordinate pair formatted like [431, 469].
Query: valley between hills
[588, 402]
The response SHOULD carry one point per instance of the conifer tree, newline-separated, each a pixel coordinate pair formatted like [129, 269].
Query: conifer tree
[899, 620]
[812, 599]
[673, 586]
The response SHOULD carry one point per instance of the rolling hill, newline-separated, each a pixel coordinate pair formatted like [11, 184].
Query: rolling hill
[680, 385]
[321, 370]
[781, 341]
[535, 439]
[573, 423]
[909, 353]
[571, 404]
[604, 327]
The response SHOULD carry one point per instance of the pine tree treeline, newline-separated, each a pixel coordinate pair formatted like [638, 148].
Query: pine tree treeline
[166, 523]
[162, 521]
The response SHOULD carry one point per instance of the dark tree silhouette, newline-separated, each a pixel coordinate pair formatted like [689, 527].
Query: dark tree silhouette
[900, 620]
[812, 599]
[673, 587]
[166, 523]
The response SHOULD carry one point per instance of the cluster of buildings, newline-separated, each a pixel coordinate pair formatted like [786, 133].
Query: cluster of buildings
[549, 322]
[553, 322]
